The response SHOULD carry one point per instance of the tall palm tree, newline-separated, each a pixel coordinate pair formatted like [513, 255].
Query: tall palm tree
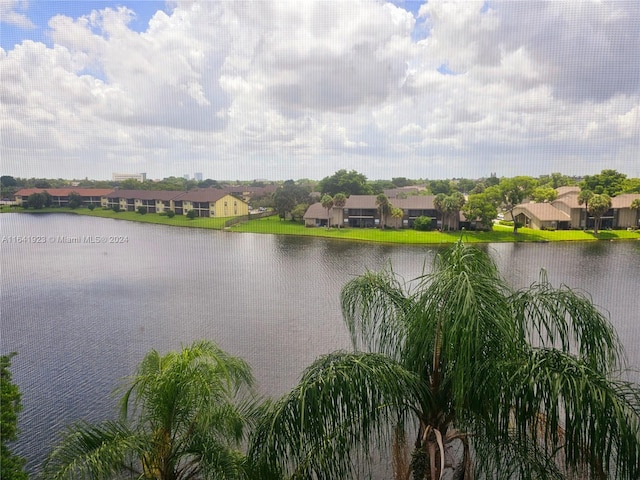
[438, 203]
[598, 206]
[583, 199]
[635, 205]
[384, 207]
[182, 417]
[487, 381]
[339, 201]
[327, 202]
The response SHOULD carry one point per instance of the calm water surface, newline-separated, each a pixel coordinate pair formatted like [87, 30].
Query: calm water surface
[82, 315]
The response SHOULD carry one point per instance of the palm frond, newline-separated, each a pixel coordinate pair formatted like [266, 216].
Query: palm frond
[345, 404]
[93, 451]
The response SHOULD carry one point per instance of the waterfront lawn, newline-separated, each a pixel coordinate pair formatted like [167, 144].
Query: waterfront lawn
[275, 226]
[500, 233]
[177, 220]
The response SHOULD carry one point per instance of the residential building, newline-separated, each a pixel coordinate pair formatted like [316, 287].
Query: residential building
[210, 202]
[155, 201]
[60, 196]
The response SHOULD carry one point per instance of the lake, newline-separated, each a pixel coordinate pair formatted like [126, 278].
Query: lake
[83, 299]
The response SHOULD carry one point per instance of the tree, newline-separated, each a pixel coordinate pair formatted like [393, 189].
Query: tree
[36, 200]
[480, 208]
[327, 202]
[440, 186]
[287, 196]
[438, 203]
[182, 417]
[635, 205]
[544, 194]
[297, 214]
[514, 191]
[11, 465]
[489, 382]
[598, 206]
[608, 181]
[347, 182]
[396, 214]
[583, 199]
[75, 200]
[384, 208]
[339, 201]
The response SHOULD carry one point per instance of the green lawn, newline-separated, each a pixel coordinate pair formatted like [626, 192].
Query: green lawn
[273, 225]
[500, 233]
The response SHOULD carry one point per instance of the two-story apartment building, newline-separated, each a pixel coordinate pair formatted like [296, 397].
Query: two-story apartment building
[60, 196]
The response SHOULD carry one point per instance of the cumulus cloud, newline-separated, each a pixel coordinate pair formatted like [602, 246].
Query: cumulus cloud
[10, 13]
[285, 89]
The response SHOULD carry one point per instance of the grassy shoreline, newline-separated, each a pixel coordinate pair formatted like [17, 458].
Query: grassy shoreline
[275, 226]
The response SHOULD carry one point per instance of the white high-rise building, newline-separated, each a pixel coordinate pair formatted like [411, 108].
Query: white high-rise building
[118, 177]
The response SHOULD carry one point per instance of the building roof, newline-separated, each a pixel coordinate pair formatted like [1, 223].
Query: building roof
[568, 189]
[64, 192]
[545, 212]
[316, 210]
[203, 195]
[570, 199]
[163, 195]
[415, 202]
[361, 201]
[624, 200]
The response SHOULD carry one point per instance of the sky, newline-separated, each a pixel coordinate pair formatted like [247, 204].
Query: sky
[278, 90]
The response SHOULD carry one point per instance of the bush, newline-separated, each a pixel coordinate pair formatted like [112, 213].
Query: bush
[171, 213]
[91, 207]
[142, 210]
[422, 224]
[116, 208]
[191, 214]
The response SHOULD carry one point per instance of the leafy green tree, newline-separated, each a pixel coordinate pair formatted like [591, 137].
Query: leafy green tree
[476, 379]
[36, 200]
[287, 196]
[402, 182]
[598, 206]
[544, 194]
[514, 191]
[297, 214]
[583, 199]
[11, 465]
[327, 202]
[481, 208]
[440, 186]
[183, 416]
[608, 181]
[347, 182]
[75, 200]
[631, 185]
[635, 205]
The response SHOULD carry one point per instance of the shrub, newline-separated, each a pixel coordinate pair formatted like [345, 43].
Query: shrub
[116, 208]
[171, 213]
[191, 214]
[142, 210]
[422, 223]
[91, 207]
